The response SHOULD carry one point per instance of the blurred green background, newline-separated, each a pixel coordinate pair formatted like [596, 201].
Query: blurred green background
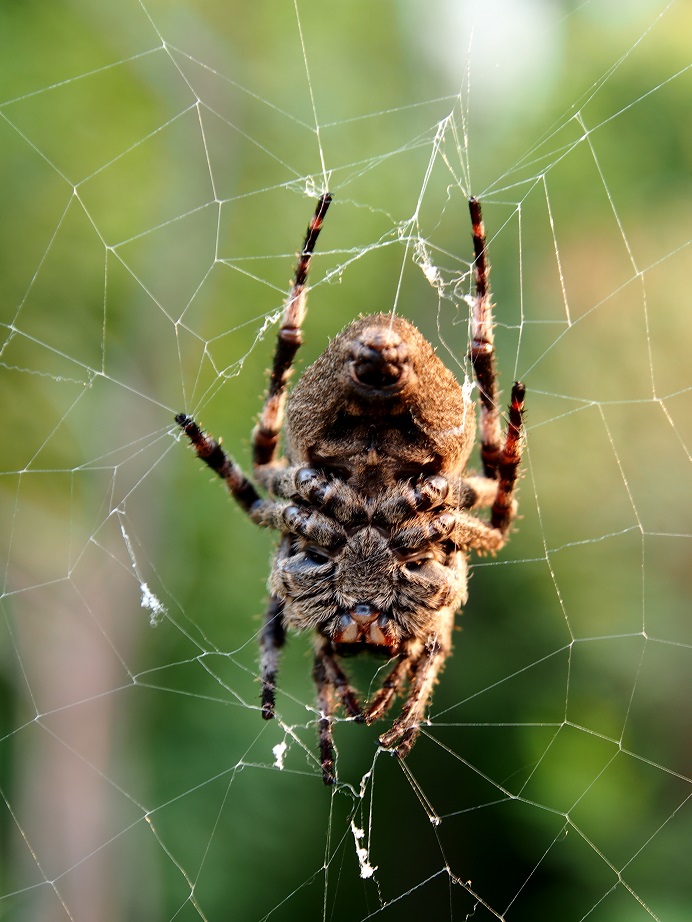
[159, 164]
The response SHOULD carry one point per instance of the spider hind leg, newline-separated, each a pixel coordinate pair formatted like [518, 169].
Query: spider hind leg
[265, 436]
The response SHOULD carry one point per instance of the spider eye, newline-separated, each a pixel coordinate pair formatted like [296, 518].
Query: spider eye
[315, 555]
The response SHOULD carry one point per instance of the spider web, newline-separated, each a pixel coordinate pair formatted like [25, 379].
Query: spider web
[161, 161]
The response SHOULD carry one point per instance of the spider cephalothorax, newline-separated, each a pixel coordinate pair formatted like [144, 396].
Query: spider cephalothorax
[372, 500]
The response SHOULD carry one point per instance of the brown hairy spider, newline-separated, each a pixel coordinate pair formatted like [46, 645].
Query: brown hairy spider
[375, 511]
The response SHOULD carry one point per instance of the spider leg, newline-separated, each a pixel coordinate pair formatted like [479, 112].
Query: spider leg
[484, 490]
[482, 350]
[464, 530]
[211, 452]
[502, 511]
[281, 516]
[272, 640]
[339, 680]
[500, 461]
[298, 520]
[301, 482]
[325, 703]
[383, 699]
[426, 669]
[330, 677]
[265, 435]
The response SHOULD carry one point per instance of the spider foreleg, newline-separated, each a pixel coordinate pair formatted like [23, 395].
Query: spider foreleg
[384, 697]
[213, 455]
[272, 640]
[340, 682]
[426, 669]
[325, 703]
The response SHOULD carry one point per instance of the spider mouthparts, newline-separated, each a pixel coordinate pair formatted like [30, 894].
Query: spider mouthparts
[362, 624]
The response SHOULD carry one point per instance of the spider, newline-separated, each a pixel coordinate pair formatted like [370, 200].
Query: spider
[375, 511]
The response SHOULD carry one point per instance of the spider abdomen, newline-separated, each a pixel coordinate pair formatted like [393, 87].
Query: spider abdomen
[380, 399]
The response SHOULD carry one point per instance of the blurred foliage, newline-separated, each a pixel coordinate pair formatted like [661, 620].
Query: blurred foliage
[152, 204]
